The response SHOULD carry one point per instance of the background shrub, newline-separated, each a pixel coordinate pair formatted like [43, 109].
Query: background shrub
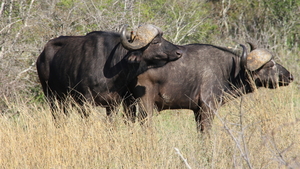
[27, 25]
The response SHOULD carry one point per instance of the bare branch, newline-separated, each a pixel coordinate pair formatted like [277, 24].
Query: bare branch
[25, 24]
[9, 25]
[22, 72]
[2, 8]
[182, 158]
[241, 145]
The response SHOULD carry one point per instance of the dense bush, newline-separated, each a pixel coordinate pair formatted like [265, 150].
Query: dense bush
[26, 26]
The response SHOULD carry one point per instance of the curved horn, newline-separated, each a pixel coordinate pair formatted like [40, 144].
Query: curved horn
[144, 35]
[244, 57]
[252, 46]
[257, 58]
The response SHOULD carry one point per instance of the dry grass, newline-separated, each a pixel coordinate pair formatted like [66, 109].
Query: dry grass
[261, 131]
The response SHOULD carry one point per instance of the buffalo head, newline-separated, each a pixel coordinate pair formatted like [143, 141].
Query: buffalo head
[149, 45]
[263, 69]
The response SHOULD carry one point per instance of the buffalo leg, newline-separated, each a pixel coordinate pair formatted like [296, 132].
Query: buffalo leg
[129, 106]
[145, 114]
[204, 117]
[56, 105]
[145, 103]
[110, 112]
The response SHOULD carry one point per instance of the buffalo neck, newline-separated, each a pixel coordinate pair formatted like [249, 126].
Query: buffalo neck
[240, 80]
[120, 70]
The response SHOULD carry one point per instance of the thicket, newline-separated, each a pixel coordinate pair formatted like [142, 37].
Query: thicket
[26, 26]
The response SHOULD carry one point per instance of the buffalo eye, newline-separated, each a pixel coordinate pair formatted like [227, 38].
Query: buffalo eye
[156, 40]
[270, 64]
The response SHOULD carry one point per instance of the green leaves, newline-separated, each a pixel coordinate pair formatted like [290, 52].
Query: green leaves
[66, 4]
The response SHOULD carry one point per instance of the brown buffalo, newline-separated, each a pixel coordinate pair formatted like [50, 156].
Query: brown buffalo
[201, 77]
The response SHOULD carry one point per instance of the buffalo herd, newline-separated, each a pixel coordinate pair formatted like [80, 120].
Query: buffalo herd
[142, 68]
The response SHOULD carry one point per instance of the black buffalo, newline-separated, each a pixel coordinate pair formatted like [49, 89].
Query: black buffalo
[199, 80]
[97, 67]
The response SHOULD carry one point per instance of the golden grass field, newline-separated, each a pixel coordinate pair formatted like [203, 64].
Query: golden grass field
[259, 130]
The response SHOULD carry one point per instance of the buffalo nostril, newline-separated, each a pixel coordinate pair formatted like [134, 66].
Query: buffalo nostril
[291, 78]
[179, 52]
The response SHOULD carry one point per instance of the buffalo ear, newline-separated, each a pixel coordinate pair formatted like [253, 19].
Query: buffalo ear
[133, 58]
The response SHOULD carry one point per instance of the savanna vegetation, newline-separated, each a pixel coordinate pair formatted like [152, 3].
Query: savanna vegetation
[260, 130]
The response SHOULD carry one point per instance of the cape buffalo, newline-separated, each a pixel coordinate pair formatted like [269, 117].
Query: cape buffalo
[97, 67]
[201, 77]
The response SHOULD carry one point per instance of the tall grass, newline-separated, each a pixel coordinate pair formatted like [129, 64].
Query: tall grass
[260, 130]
